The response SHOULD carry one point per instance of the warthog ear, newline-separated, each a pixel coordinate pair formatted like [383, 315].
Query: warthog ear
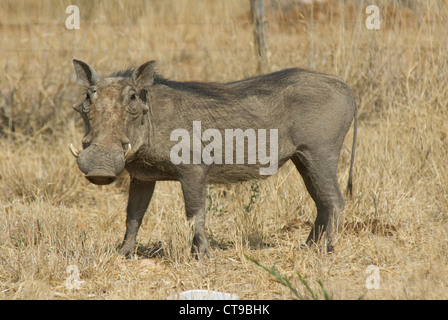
[85, 76]
[143, 76]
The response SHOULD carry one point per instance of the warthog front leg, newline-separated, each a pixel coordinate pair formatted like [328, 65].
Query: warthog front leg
[140, 194]
[194, 190]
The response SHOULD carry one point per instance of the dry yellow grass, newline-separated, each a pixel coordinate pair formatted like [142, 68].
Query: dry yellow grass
[397, 220]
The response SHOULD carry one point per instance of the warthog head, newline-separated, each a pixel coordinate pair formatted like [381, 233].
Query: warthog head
[113, 112]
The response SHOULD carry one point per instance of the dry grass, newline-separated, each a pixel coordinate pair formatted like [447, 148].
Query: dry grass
[51, 217]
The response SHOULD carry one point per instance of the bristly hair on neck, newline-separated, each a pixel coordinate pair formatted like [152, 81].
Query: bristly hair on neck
[209, 89]
[127, 73]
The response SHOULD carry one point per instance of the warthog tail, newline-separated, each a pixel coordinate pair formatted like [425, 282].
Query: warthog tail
[352, 160]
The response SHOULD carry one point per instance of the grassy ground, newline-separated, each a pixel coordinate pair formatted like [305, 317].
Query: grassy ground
[397, 219]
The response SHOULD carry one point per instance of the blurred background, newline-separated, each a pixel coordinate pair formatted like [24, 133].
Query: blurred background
[206, 40]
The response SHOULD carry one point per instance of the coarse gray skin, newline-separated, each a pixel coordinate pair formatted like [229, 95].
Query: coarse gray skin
[312, 112]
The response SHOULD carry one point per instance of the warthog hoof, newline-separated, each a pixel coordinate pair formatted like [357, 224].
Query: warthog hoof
[126, 249]
[200, 247]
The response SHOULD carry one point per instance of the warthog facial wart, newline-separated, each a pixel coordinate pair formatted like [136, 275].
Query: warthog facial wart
[212, 153]
[152, 127]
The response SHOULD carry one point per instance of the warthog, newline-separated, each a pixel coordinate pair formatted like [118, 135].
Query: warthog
[130, 118]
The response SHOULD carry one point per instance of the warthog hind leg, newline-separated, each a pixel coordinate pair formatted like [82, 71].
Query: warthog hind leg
[319, 175]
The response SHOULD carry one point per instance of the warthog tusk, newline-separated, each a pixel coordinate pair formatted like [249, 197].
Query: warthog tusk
[128, 152]
[73, 150]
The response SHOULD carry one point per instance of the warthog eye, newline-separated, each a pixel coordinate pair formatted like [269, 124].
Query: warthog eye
[88, 97]
[133, 96]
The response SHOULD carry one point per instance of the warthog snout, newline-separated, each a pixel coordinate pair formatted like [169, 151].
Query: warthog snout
[100, 166]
